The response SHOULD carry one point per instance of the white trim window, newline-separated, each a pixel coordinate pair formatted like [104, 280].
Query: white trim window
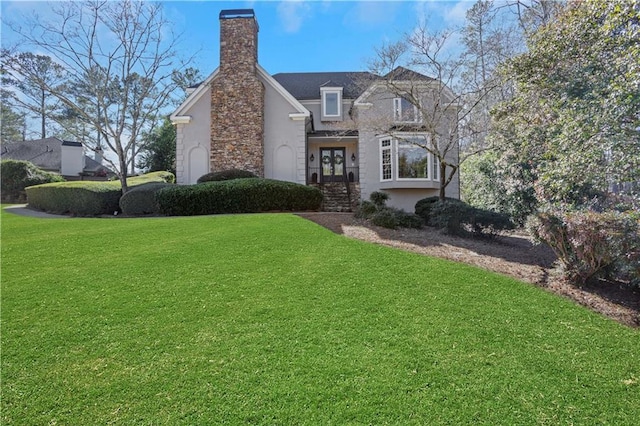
[404, 111]
[413, 160]
[435, 167]
[331, 102]
[404, 160]
[386, 164]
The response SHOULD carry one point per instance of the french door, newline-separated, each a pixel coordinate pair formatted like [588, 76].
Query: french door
[332, 164]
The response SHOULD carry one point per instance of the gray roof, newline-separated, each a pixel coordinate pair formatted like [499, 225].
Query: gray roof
[45, 153]
[306, 85]
[402, 73]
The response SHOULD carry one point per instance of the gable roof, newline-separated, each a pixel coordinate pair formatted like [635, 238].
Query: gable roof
[179, 115]
[404, 74]
[306, 85]
[44, 153]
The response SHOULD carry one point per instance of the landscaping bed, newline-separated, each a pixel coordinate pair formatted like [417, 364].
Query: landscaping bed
[511, 254]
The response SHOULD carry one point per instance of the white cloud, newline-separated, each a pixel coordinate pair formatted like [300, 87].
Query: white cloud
[457, 14]
[292, 14]
[370, 14]
[444, 13]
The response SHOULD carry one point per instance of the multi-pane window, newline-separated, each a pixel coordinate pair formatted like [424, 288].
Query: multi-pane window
[404, 111]
[385, 156]
[435, 167]
[407, 158]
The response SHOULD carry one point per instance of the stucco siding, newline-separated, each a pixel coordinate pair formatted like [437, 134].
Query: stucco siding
[195, 134]
[284, 139]
[403, 193]
[314, 106]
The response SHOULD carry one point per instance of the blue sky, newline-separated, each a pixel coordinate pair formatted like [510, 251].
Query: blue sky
[295, 36]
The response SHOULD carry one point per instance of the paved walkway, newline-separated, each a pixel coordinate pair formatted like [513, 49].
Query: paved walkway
[22, 210]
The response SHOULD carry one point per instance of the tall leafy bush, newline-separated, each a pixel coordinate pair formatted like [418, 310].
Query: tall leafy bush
[592, 244]
[16, 175]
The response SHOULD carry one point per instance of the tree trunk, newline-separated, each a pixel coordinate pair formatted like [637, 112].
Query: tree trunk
[43, 116]
[123, 175]
[443, 180]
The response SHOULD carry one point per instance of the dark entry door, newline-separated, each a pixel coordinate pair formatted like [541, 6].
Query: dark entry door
[332, 164]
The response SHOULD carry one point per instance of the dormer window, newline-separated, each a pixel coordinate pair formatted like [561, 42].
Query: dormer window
[331, 103]
[404, 111]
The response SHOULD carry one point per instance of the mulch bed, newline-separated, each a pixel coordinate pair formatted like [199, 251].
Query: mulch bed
[511, 254]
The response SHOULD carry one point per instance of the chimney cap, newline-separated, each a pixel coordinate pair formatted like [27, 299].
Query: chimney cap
[237, 13]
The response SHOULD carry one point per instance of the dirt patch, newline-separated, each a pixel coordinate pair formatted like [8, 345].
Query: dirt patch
[513, 254]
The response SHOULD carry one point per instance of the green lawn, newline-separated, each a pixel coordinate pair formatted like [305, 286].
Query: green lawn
[271, 319]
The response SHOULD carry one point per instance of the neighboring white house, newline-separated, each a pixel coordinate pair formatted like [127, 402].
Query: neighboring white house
[319, 129]
[58, 156]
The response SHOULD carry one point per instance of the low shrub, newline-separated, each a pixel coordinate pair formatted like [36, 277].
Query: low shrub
[591, 244]
[379, 198]
[377, 211]
[141, 200]
[249, 195]
[459, 218]
[16, 175]
[86, 198]
[423, 207]
[365, 210]
[226, 175]
[392, 218]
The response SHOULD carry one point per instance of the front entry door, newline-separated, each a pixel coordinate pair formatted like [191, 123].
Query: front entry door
[332, 164]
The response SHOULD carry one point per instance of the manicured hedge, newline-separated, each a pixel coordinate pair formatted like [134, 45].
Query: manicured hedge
[226, 175]
[238, 196]
[141, 200]
[16, 175]
[86, 198]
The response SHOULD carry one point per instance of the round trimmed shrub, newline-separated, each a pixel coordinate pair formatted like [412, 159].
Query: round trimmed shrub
[141, 200]
[226, 175]
[423, 207]
[16, 175]
[249, 195]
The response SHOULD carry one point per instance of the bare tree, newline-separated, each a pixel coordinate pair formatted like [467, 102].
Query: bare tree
[121, 55]
[532, 14]
[425, 71]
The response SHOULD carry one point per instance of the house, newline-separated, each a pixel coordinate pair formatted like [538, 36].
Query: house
[58, 156]
[320, 129]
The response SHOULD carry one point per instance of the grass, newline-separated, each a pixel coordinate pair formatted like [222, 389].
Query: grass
[270, 319]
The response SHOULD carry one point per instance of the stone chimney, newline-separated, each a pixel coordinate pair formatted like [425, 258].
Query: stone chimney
[237, 97]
